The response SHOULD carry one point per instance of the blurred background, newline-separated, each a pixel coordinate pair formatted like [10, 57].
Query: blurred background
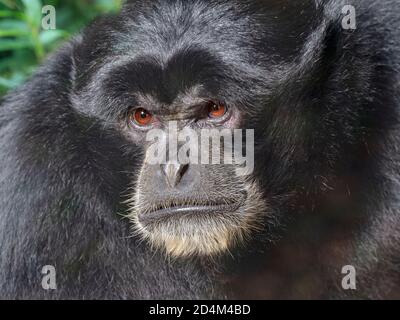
[24, 43]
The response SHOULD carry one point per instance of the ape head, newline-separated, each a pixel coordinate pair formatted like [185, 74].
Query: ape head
[213, 65]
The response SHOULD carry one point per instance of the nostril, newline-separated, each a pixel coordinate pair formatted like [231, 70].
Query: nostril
[174, 172]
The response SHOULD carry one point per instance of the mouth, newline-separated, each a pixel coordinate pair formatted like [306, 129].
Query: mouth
[164, 213]
[187, 227]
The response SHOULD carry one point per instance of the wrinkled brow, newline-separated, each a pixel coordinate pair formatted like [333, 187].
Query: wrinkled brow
[180, 78]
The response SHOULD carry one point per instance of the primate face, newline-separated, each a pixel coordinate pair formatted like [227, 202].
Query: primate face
[198, 67]
[200, 206]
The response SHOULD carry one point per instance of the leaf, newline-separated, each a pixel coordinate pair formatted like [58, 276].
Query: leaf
[11, 14]
[6, 83]
[48, 37]
[9, 28]
[12, 82]
[107, 5]
[12, 24]
[33, 12]
[13, 44]
[12, 4]
[12, 33]
[19, 60]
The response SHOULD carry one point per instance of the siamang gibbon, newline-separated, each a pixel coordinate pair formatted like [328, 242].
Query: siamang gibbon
[322, 99]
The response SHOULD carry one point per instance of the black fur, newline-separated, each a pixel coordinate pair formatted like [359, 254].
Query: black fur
[324, 105]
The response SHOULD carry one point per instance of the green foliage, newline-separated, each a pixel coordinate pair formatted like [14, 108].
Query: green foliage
[23, 42]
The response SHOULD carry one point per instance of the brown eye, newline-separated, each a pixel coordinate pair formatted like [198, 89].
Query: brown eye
[142, 117]
[216, 110]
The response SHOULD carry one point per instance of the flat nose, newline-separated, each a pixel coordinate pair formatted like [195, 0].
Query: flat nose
[173, 173]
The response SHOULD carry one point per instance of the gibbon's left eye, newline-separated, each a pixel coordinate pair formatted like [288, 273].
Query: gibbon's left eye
[142, 117]
[216, 110]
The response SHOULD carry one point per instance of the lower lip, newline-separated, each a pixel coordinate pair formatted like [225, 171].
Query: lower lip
[175, 212]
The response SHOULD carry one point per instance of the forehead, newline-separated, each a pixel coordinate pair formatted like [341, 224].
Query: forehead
[270, 25]
[188, 73]
[168, 48]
